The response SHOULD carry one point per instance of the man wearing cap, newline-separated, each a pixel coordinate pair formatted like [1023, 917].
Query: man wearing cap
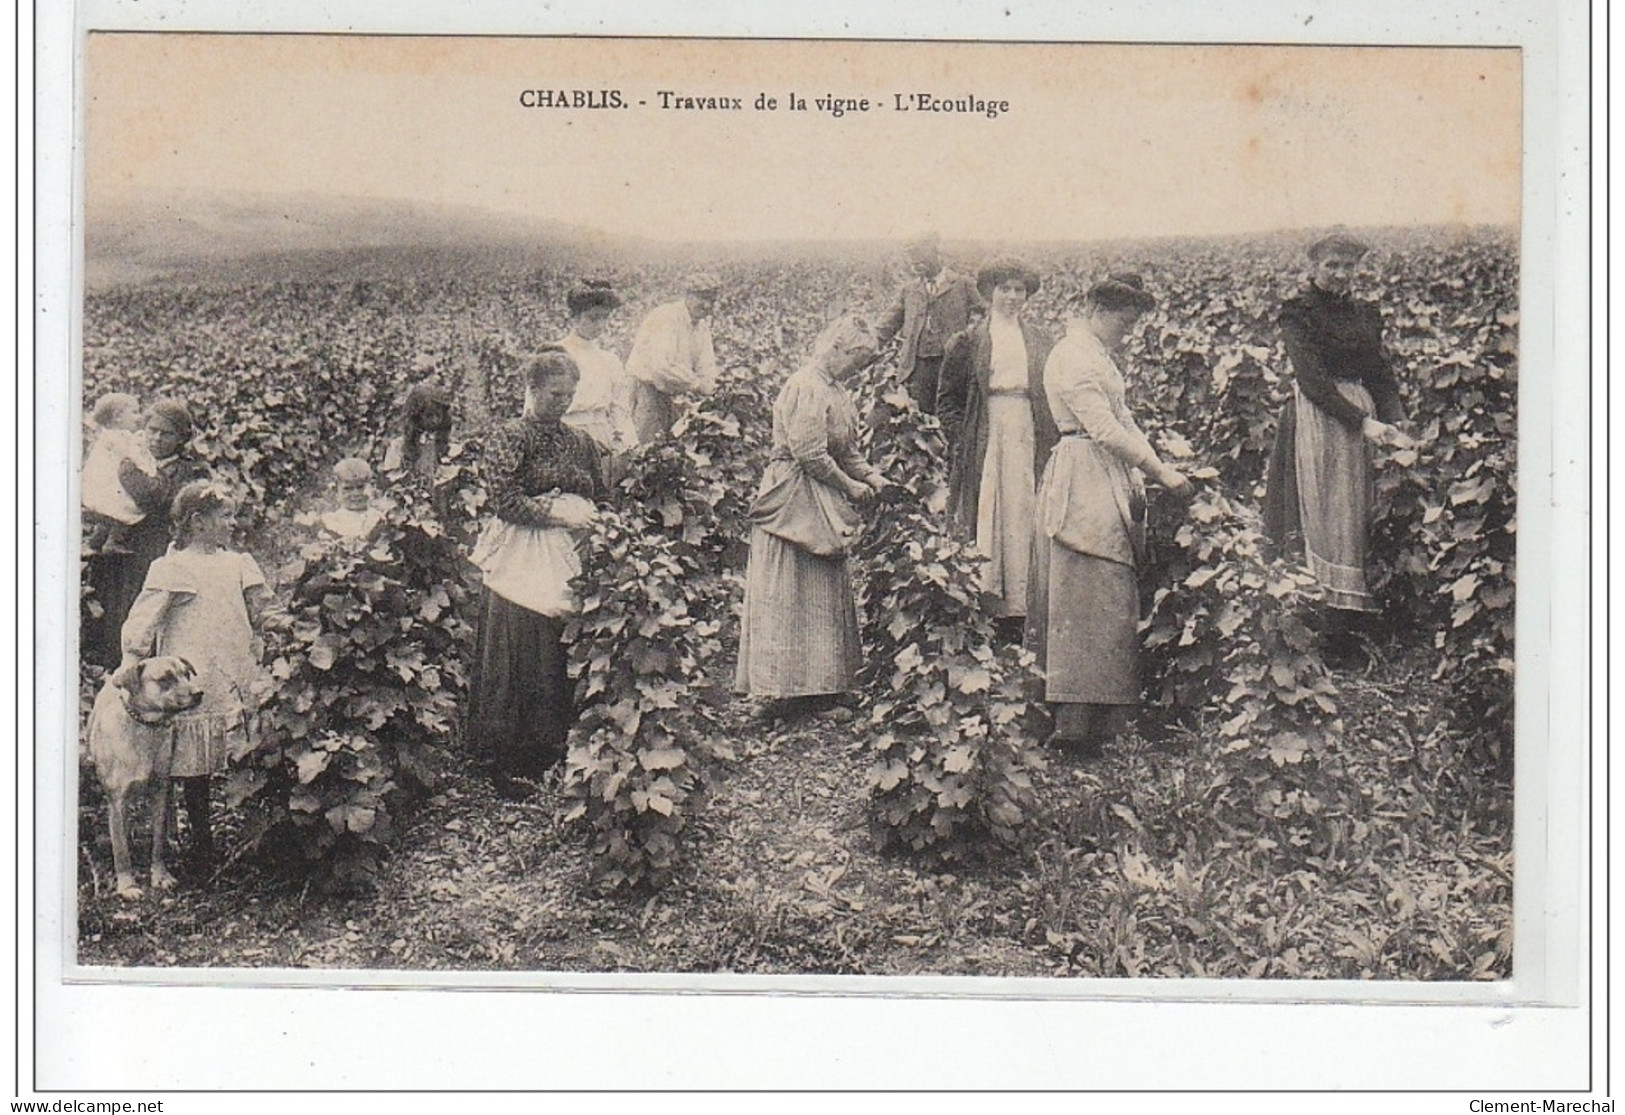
[672, 355]
[930, 308]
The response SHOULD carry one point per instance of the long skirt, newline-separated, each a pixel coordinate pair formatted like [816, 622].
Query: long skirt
[1005, 504]
[116, 580]
[1083, 626]
[799, 637]
[1334, 500]
[522, 701]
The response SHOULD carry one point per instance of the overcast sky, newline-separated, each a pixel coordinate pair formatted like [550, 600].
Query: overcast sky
[1098, 141]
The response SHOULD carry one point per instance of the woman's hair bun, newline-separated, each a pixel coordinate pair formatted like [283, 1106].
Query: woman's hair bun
[1000, 271]
[1120, 291]
[590, 294]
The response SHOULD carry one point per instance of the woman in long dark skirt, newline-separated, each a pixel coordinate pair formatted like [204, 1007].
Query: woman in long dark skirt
[543, 479]
[116, 576]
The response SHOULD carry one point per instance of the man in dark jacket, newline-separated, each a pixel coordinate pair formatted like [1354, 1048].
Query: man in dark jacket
[928, 311]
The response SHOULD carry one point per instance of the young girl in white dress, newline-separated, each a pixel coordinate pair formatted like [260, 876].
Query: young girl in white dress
[201, 602]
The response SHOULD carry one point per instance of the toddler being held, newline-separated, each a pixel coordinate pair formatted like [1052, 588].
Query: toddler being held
[109, 508]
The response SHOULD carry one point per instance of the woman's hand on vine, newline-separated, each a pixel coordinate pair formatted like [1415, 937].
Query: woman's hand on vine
[573, 512]
[276, 620]
[884, 486]
[1400, 439]
[1377, 431]
[1175, 481]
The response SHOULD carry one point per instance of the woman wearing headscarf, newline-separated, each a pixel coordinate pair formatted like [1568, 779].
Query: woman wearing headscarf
[1083, 623]
[116, 577]
[798, 644]
[1345, 400]
[1000, 432]
[542, 480]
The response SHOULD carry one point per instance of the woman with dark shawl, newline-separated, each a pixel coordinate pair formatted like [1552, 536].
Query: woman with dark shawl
[116, 577]
[992, 406]
[1345, 399]
[543, 480]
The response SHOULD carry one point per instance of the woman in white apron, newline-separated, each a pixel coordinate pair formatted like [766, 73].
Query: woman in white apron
[542, 480]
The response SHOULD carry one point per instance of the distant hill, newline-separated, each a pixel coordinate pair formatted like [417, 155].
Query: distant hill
[155, 236]
[203, 236]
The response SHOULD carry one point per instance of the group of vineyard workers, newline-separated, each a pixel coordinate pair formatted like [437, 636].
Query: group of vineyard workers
[1046, 474]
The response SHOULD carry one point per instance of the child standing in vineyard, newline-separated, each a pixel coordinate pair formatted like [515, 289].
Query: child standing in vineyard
[201, 602]
[355, 516]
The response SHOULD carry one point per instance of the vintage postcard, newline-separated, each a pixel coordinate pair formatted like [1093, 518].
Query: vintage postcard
[1037, 520]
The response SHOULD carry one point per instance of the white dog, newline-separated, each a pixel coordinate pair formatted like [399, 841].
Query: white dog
[132, 744]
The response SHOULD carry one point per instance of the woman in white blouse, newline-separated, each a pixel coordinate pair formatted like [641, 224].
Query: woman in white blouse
[1000, 432]
[602, 408]
[1084, 620]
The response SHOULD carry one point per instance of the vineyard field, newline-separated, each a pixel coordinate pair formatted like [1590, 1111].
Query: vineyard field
[1270, 815]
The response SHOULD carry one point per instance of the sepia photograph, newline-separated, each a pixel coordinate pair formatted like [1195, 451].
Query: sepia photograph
[543, 520]
[903, 516]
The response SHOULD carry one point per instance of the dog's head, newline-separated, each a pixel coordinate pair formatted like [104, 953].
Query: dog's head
[162, 687]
